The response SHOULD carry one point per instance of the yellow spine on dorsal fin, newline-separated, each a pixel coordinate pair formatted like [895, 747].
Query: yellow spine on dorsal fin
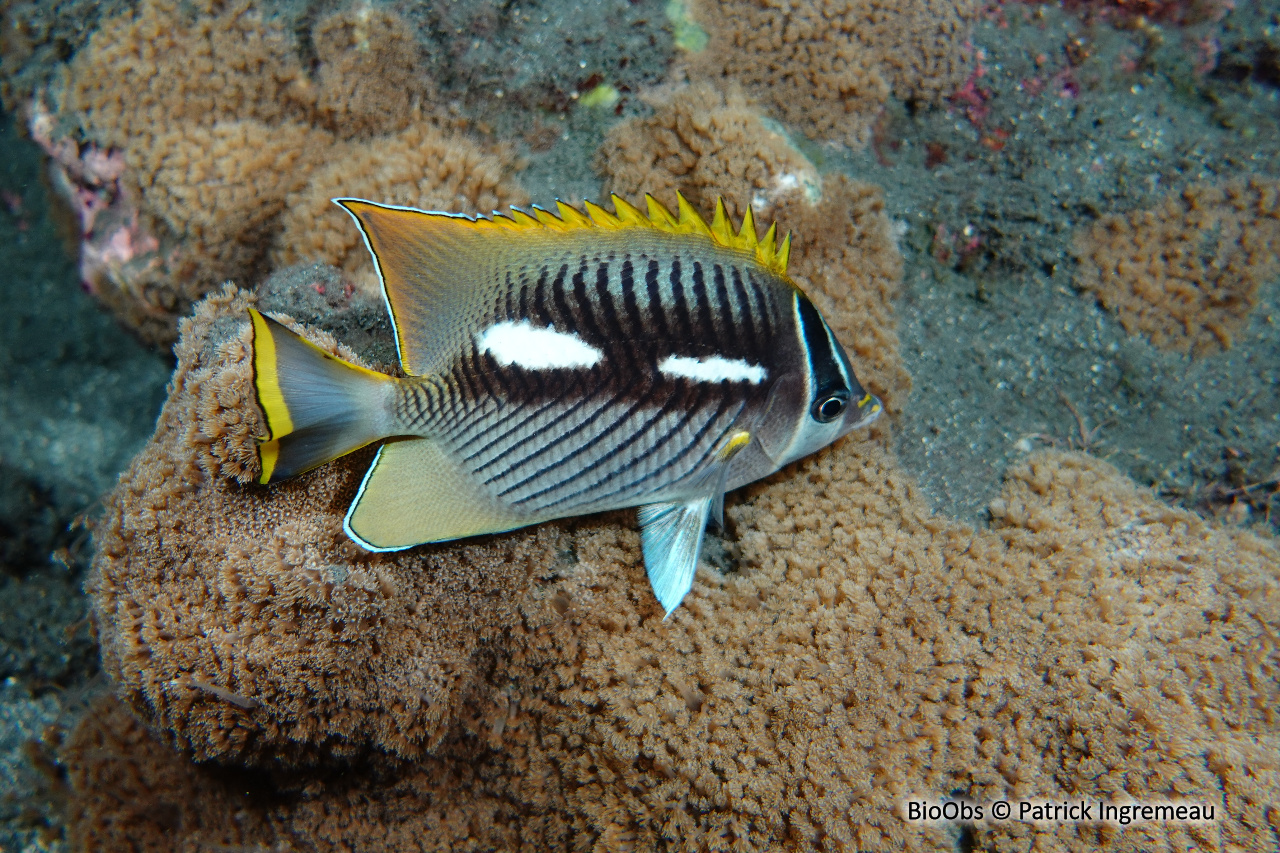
[690, 221]
[784, 253]
[600, 216]
[687, 220]
[549, 220]
[721, 228]
[659, 215]
[573, 217]
[768, 247]
[628, 213]
[746, 236]
[522, 219]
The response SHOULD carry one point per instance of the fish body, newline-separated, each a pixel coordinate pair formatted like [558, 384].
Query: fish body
[563, 365]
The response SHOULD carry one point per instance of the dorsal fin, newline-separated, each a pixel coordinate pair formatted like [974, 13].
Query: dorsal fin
[625, 215]
[422, 257]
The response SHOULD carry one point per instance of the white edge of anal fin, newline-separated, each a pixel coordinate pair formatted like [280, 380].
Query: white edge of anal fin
[671, 538]
[351, 509]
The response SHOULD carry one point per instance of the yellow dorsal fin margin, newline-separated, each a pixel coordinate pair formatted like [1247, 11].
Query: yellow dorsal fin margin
[768, 252]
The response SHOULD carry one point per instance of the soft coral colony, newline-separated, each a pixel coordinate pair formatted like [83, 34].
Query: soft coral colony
[225, 141]
[842, 649]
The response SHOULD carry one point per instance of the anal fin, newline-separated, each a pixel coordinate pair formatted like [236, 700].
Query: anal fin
[671, 538]
[414, 493]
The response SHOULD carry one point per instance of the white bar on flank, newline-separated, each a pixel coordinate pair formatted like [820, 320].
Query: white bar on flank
[534, 348]
[712, 369]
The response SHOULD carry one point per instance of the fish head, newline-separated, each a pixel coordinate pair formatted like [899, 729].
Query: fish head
[818, 402]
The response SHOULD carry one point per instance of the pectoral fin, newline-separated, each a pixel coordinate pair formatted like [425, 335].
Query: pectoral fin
[671, 537]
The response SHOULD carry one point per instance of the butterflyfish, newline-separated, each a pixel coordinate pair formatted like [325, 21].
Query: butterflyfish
[558, 364]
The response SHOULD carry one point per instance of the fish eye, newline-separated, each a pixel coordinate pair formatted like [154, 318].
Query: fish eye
[830, 407]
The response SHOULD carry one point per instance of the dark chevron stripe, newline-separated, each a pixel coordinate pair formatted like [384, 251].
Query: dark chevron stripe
[559, 439]
[529, 413]
[654, 476]
[707, 424]
[578, 451]
[534, 388]
[611, 457]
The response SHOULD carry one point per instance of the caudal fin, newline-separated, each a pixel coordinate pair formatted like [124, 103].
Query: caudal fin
[318, 407]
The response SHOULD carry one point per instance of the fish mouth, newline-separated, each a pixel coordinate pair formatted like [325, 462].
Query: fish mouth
[869, 408]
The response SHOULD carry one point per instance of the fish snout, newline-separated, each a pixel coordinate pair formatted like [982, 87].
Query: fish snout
[862, 412]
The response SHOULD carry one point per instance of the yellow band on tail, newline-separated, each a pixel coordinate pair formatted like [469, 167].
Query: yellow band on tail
[266, 378]
[317, 407]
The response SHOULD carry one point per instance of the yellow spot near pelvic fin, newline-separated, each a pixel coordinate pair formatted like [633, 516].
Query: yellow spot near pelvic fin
[733, 444]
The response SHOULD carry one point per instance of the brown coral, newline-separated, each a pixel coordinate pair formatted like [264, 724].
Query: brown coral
[827, 66]
[1186, 273]
[1097, 643]
[219, 123]
[843, 649]
[168, 62]
[421, 167]
[705, 145]
[370, 79]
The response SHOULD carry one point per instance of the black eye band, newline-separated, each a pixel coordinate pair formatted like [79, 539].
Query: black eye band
[827, 378]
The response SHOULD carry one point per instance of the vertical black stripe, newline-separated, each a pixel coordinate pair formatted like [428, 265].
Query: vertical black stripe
[635, 324]
[524, 300]
[703, 305]
[486, 368]
[510, 297]
[678, 303]
[465, 379]
[588, 306]
[725, 308]
[754, 344]
[540, 312]
[762, 305]
[604, 298]
[559, 296]
[657, 312]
